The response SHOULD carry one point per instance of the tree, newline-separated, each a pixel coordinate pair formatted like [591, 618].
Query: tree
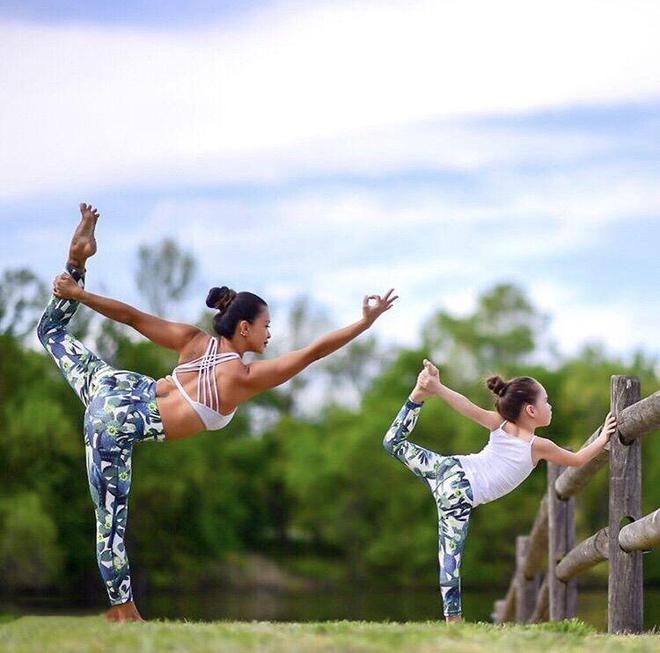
[23, 297]
[164, 274]
[501, 333]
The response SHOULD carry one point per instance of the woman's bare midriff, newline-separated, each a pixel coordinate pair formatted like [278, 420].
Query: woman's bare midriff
[179, 419]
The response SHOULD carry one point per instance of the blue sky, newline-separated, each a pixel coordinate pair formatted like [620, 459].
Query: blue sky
[338, 149]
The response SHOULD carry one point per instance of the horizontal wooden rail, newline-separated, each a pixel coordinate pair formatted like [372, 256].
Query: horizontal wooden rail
[585, 555]
[639, 419]
[574, 479]
[634, 421]
[641, 535]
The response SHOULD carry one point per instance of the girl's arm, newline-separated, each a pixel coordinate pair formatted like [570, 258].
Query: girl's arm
[173, 335]
[429, 385]
[264, 375]
[548, 450]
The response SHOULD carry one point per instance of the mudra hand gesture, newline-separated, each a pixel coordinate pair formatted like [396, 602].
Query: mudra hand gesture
[371, 311]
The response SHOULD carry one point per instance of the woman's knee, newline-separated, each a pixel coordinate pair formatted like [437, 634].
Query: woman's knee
[43, 329]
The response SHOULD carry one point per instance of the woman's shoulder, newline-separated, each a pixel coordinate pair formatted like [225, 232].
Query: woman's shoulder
[195, 347]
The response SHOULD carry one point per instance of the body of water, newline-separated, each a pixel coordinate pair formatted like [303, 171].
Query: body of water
[360, 604]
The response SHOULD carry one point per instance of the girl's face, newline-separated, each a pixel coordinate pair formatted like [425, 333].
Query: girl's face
[258, 332]
[542, 408]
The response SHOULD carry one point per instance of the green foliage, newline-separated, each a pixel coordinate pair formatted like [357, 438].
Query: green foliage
[164, 274]
[30, 549]
[318, 490]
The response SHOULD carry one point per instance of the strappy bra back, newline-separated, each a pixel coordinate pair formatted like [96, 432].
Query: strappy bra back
[207, 405]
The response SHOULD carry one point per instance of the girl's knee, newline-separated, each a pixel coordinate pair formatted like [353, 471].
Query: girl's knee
[389, 445]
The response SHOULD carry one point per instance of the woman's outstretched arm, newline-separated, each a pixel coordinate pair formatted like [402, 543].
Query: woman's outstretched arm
[429, 385]
[264, 375]
[173, 335]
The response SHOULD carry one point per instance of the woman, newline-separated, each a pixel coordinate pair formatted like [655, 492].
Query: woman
[203, 393]
[460, 483]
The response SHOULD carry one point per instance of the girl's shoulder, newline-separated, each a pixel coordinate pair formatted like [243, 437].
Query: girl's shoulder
[516, 432]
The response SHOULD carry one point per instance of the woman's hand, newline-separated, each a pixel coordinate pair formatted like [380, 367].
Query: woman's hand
[65, 287]
[372, 312]
[609, 426]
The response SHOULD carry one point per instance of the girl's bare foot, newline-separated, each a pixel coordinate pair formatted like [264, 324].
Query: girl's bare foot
[454, 619]
[83, 243]
[123, 612]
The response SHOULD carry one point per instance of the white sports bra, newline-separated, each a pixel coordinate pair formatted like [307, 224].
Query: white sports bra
[207, 405]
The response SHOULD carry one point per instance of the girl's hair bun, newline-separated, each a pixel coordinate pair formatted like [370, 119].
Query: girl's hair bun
[497, 385]
[220, 298]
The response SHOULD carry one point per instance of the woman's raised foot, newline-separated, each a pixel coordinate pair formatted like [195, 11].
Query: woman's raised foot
[83, 243]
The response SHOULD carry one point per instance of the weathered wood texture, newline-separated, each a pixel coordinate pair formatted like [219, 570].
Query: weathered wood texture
[526, 588]
[573, 479]
[561, 539]
[625, 585]
[537, 549]
[639, 419]
[585, 555]
[496, 614]
[507, 608]
[641, 535]
[541, 609]
[636, 420]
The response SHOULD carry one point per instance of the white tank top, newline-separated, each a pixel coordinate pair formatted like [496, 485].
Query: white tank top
[502, 465]
[207, 405]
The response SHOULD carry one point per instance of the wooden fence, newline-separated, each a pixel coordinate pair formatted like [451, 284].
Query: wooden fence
[544, 585]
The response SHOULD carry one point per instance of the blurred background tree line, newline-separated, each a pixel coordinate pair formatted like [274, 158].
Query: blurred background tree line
[300, 475]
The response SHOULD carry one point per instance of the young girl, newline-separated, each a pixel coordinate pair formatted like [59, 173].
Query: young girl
[203, 392]
[460, 483]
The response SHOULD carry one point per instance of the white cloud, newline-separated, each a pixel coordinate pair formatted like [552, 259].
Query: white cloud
[99, 106]
[579, 318]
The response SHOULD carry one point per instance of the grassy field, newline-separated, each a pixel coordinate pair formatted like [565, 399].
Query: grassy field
[91, 634]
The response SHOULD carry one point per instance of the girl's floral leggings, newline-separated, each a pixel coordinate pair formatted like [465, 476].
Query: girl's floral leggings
[451, 491]
[120, 410]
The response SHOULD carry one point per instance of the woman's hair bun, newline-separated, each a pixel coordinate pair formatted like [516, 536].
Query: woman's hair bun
[220, 298]
[497, 385]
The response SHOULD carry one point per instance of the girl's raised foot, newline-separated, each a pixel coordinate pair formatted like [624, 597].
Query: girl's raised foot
[83, 243]
[123, 613]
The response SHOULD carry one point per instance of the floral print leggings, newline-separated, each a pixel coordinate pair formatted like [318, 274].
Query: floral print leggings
[120, 410]
[451, 491]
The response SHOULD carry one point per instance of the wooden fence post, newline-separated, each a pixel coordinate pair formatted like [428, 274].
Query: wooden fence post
[526, 588]
[561, 539]
[626, 579]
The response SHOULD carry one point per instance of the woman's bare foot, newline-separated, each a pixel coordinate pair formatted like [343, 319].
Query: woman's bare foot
[123, 612]
[83, 243]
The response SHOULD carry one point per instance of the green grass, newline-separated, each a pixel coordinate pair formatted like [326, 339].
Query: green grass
[92, 634]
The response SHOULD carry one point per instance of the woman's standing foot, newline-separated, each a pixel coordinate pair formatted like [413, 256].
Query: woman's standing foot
[123, 613]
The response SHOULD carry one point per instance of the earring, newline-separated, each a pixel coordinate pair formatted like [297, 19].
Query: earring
[244, 333]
